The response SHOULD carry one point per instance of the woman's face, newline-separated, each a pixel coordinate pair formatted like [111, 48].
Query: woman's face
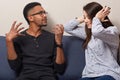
[87, 20]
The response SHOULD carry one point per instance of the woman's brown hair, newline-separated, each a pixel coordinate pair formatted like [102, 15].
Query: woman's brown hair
[91, 9]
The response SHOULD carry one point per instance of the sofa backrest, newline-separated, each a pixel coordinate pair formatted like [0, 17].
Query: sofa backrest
[75, 57]
[5, 71]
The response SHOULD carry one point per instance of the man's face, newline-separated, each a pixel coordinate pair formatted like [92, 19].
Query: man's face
[38, 16]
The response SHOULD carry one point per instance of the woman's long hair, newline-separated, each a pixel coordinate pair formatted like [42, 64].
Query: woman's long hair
[91, 9]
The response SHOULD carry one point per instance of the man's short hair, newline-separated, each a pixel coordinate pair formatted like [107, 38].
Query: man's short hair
[27, 8]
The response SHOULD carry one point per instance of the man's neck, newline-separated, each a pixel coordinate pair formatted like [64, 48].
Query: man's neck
[34, 31]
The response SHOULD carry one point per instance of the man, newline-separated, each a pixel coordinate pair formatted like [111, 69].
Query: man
[35, 54]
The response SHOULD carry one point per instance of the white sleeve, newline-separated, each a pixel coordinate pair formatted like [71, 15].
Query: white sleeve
[72, 28]
[109, 35]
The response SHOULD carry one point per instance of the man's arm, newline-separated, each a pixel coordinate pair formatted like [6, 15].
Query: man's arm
[60, 59]
[12, 34]
[11, 52]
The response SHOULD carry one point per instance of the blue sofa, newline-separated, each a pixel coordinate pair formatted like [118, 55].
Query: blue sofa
[74, 55]
[5, 71]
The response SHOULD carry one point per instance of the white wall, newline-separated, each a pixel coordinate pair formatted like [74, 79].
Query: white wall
[60, 11]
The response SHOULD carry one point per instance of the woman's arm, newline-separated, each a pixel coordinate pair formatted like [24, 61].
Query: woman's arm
[72, 28]
[109, 35]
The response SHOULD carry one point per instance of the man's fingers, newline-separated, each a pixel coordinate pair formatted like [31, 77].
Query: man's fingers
[58, 29]
[20, 29]
[61, 27]
[18, 25]
[13, 25]
[19, 34]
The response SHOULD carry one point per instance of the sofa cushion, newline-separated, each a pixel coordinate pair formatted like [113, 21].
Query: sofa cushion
[5, 71]
[75, 58]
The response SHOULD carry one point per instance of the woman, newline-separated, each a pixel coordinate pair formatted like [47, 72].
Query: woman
[101, 42]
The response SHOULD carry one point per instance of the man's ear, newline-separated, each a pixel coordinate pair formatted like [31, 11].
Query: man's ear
[30, 18]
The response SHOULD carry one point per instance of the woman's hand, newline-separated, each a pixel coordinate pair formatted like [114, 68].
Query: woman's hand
[103, 13]
[80, 19]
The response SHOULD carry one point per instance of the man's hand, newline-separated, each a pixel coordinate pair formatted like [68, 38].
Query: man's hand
[58, 31]
[14, 31]
[103, 13]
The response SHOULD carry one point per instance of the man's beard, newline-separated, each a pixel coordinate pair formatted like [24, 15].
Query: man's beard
[44, 25]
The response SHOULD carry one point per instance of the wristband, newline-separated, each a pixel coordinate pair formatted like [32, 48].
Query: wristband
[60, 46]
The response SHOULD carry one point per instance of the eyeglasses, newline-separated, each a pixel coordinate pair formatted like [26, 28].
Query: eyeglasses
[40, 13]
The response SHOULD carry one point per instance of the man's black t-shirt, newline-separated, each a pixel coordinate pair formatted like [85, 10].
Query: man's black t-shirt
[36, 57]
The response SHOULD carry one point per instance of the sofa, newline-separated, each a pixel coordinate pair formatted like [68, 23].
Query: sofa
[74, 54]
[5, 71]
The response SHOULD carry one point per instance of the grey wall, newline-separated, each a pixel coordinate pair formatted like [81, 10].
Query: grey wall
[60, 11]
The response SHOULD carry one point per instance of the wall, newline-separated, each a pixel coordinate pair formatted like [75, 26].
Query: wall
[60, 11]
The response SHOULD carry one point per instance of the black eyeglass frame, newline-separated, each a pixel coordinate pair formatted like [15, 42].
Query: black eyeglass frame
[40, 13]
